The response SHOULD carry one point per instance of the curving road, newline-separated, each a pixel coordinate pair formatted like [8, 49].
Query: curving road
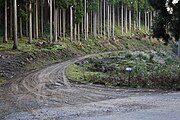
[47, 94]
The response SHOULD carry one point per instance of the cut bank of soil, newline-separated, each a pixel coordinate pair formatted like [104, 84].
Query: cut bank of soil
[12, 65]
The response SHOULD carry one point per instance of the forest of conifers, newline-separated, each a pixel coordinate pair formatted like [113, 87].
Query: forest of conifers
[76, 19]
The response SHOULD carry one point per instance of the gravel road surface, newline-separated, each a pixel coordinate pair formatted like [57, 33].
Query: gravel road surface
[47, 94]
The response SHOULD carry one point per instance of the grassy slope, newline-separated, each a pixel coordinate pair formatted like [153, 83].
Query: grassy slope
[47, 54]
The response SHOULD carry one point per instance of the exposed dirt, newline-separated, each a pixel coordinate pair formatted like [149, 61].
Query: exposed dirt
[48, 94]
[12, 65]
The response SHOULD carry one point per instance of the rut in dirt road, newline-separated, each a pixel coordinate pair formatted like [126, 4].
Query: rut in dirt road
[45, 93]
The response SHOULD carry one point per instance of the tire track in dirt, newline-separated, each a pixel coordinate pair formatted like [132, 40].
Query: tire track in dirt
[49, 87]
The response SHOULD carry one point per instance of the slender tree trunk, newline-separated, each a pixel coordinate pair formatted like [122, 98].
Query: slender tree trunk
[139, 20]
[27, 29]
[122, 19]
[145, 20]
[87, 25]
[148, 21]
[15, 45]
[5, 23]
[104, 19]
[20, 27]
[64, 23]
[30, 23]
[71, 23]
[55, 21]
[26, 22]
[126, 19]
[60, 23]
[134, 25]
[101, 26]
[34, 21]
[78, 32]
[98, 20]
[82, 26]
[95, 26]
[42, 18]
[75, 32]
[11, 19]
[118, 15]
[91, 22]
[113, 22]
[130, 21]
[50, 4]
[108, 25]
[85, 20]
[151, 19]
[37, 23]
[110, 21]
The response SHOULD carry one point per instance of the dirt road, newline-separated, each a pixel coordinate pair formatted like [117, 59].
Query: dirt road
[48, 94]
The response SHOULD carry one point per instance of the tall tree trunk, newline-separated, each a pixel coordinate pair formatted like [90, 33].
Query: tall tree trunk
[5, 23]
[15, 45]
[11, 19]
[113, 22]
[101, 18]
[98, 20]
[75, 32]
[42, 18]
[78, 32]
[85, 20]
[26, 21]
[135, 25]
[118, 15]
[148, 21]
[139, 20]
[37, 23]
[104, 19]
[95, 26]
[151, 19]
[20, 27]
[34, 20]
[122, 19]
[64, 23]
[126, 19]
[82, 26]
[30, 23]
[50, 5]
[87, 25]
[91, 22]
[130, 21]
[27, 29]
[71, 23]
[108, 25]
[110, 21]
[55, 21]
[145, 20]
[60, 23]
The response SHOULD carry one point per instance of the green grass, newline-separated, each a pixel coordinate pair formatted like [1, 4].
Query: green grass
[24, 46]
[79, 73]
[148, 71]
[74, 72]
[2, 82]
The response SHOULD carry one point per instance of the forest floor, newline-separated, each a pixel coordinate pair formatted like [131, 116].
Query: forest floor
[36, 90]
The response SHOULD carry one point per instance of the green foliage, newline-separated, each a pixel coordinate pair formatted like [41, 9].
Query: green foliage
[64, 4]
[78, 7]
[166, 19]
[150, 69]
